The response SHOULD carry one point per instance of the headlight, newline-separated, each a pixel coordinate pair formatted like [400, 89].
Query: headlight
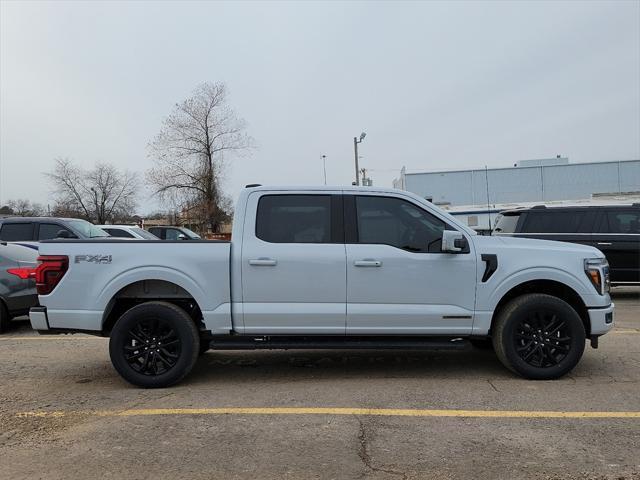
[597, 269]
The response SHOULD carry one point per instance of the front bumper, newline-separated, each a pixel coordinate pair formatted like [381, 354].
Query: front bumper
[601, 319]
[38, 318]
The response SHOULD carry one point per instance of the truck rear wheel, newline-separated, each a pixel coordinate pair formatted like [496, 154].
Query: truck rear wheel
[539, 336]
[154, 345]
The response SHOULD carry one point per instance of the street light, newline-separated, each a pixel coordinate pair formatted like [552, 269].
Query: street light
[355, 150]
[324, 166]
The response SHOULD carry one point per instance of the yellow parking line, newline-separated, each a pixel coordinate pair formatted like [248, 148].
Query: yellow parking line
[389, 412]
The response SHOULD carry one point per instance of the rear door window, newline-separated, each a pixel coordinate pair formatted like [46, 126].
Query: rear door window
[621, 221]
[294, 219]
[47, 231]
[158, 232]
[548, 221]
[16, 232]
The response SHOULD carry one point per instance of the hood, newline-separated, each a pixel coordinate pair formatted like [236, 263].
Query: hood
[534, 245]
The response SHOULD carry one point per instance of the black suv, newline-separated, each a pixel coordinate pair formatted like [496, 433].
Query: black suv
[613, 229]
[35, 229]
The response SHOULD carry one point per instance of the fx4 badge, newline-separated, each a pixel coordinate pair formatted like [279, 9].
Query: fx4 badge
[97, 259]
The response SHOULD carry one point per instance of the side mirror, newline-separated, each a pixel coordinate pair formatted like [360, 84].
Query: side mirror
[181, 236]
[453, 242]
[65, 234]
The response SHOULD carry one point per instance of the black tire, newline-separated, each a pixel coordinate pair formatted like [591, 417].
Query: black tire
[154, 345]
[5, 318]
[539, 336]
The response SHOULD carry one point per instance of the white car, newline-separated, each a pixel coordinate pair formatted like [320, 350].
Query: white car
[127, 231]
[322, 267]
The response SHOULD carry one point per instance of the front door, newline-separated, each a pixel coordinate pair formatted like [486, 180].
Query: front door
[398, 281]
[293, 264]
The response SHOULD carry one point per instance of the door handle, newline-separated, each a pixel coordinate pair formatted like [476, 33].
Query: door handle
[604, 243]
[263, 262]
[367, 262]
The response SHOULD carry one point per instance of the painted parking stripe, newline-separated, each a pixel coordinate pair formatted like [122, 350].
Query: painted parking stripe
[388, 412]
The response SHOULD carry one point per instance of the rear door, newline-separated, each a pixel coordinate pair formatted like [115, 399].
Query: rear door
[293, 264]
[618, 238]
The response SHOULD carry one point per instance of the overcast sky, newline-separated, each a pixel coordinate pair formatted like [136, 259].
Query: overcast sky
[435, 85]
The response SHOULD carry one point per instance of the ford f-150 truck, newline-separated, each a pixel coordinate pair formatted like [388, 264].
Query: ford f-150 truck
[321, 267]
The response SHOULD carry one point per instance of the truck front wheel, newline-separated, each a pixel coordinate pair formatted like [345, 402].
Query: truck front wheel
[539, 336]
[154, 345]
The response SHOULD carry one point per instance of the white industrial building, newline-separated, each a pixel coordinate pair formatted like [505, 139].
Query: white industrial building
[478, 195]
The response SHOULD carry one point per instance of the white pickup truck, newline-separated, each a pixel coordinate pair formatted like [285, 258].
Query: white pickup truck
[343, 267]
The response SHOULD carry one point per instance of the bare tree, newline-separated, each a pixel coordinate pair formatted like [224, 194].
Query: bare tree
[25, 208]
[189, 152]
[101, 194]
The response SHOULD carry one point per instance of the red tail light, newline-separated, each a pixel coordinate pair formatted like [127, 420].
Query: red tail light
[49, 272]
[23, 273]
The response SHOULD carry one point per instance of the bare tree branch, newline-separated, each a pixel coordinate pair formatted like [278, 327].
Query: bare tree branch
[101, 194]
[188, 153]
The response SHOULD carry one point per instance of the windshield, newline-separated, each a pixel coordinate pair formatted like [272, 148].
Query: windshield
[86, 229]
[189, 233]
[506, 223]
[144, 234]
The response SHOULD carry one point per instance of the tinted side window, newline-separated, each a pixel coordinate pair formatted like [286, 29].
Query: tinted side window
[396, 222]
[172, 234]
[294, 219]
[15, 232]
[48, 231]
[116, 232]
[567, 221]
[622, 221]
[157, 232]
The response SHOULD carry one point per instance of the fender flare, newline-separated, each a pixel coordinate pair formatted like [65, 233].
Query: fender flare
[533, 274]
[151, 272]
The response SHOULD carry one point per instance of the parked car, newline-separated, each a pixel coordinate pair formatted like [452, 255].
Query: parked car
[127, 231]
[17, 282]
[613, 229]
[327, 268]
[35, 229]
[174, 233]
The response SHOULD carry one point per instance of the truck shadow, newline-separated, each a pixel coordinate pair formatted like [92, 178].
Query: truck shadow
[345, 364]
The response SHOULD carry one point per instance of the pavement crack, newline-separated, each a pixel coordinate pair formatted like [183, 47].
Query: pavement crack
[492, 385]
[364, 438]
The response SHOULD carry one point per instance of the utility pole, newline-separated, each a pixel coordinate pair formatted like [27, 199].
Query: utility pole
[355, 150]
[324, 166]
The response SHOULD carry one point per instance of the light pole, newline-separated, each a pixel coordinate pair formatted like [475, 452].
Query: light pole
[324, 166]
[355, 149]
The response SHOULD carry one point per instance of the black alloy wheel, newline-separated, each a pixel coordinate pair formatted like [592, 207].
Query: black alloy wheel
[538, 336]
[154, 344]
[542, 338]
[152, 347]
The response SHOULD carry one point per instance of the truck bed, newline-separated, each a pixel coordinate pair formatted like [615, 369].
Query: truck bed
[100, 270]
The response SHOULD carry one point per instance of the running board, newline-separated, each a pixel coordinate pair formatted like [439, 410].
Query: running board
[250, 342]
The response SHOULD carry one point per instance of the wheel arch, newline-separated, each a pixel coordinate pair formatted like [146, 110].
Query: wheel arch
[554, 288]
[149, 288]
